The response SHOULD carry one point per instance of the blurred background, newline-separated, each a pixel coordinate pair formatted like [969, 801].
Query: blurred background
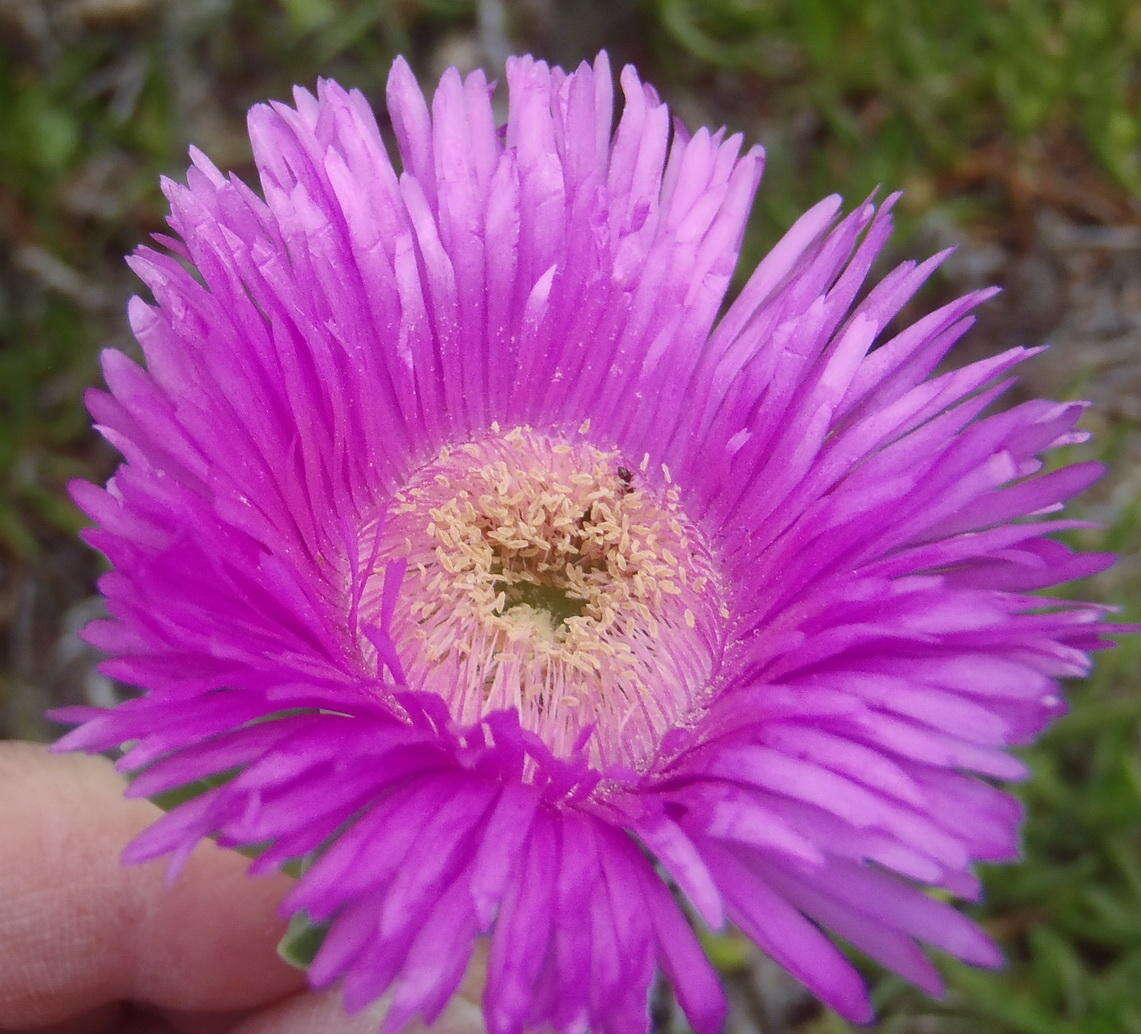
[1015, 130]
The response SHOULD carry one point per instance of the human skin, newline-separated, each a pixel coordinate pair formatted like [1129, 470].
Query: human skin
[89, 946]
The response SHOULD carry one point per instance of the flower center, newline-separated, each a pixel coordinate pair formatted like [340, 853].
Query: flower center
[544, 575]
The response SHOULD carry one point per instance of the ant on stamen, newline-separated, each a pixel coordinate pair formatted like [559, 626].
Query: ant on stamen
[626, 476]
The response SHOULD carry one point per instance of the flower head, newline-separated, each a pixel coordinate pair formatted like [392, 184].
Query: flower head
[503, 573]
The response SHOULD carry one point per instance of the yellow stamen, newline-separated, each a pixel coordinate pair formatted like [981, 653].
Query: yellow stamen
[543, 575]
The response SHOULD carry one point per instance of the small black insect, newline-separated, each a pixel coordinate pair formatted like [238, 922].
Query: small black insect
[626, 476]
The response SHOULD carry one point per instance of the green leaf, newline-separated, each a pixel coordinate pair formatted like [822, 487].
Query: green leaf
[302, 941]
[171, 799]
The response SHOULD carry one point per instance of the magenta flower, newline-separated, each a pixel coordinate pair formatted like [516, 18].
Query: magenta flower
[504, 580]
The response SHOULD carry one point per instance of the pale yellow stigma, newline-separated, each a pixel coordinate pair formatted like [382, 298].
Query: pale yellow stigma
[549, 577]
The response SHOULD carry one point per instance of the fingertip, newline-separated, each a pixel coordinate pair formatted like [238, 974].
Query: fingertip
[80, 931]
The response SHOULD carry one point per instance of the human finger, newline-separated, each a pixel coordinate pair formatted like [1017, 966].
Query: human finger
[79, 930]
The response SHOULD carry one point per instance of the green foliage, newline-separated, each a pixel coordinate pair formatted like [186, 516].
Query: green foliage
[904, 89]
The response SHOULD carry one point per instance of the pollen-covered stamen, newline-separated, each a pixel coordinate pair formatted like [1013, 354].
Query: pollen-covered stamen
[545, 575]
